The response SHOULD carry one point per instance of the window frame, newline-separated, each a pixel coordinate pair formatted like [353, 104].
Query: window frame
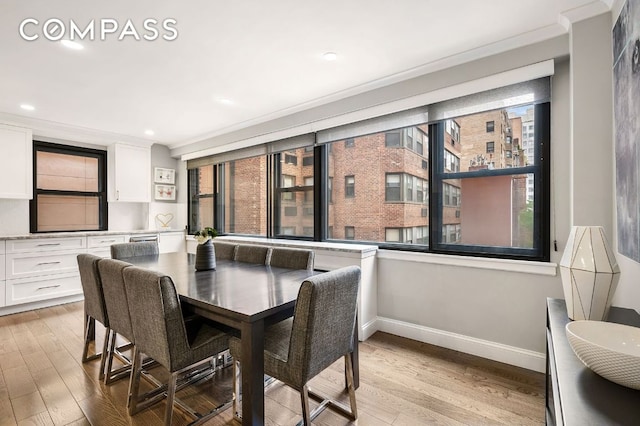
[101, 194]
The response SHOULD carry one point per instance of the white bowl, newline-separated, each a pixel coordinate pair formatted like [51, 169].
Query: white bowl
[609, 349]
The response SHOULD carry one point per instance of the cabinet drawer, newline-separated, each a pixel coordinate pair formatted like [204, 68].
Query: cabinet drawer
[105, 240]
[2, 293]
[102, 252]
[22, 265]
[31, 245]
[2, 273]
[31, 290]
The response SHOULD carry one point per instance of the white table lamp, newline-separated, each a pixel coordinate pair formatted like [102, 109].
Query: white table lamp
[589, 273]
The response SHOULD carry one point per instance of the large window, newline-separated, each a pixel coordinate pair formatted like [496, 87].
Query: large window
[438, 182]
[69, 191]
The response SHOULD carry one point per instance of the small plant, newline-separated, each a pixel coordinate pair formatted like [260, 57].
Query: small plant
[205, 234]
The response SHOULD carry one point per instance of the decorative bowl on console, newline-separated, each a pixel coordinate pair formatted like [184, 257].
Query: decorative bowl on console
[609, 349]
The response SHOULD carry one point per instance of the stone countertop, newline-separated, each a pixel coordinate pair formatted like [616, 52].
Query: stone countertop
[86, 234]
[364, 249]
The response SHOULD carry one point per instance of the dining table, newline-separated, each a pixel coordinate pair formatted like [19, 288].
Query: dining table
[245, 296]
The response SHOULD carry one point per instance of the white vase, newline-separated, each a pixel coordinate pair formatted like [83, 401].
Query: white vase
[589, 273]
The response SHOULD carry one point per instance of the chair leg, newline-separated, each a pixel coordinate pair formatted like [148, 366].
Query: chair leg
[237, 392]
[88, 338]
[304, 397]
[110, 354]
[350, 387]
[171, 393]
[105, 351]
[134, 382]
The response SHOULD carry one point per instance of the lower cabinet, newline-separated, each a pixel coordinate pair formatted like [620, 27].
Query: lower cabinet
[2, 293]
[25, 290]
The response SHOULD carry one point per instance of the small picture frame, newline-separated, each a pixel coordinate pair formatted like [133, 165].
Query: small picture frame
[165, 192]
[162, 175]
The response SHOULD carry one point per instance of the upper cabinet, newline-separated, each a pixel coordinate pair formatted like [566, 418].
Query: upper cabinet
[16, 162]
[129, 173]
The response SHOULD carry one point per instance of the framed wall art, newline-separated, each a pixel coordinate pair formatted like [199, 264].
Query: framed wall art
[165, 192]
[162, 175]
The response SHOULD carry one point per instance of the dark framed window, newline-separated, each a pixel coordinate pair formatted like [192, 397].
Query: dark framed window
[69, 188]
[349, 143]
[435, 201]
[201, 197]
[349, 186]
[490, 147]
[291, 159]
[491, 126]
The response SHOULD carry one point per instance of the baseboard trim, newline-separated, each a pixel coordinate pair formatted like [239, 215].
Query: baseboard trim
[23, 307]
[368, 329]
[484, 348]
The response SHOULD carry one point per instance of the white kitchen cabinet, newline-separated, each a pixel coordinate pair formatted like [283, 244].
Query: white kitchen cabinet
[41, 269]
[100, 245]
[16, 162]
[129, 173]
[2, 275]
[171, 242]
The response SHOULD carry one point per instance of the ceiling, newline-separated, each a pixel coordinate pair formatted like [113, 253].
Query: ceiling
[236, 63]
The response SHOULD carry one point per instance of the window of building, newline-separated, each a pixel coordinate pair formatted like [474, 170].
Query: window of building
[349, 233]
[69, 188]
[508, 153]
[307, 161]
[490, 126]
[288, 181]
[330, 189]
[392, 139]
[490, 147]
[349, 186]
[392, 187]
[291, 159]
[291, 211]
[201, 197]
[349, 143]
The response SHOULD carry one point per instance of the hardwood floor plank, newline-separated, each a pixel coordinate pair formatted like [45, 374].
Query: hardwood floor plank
[11, 360]
[99, 410]
[37, 361]
[6, 410]
[61, 405]
[19, 381]
[27, 406]
[40, 419]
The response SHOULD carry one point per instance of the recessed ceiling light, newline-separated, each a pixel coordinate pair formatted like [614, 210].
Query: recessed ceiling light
[74, 45]
[224, 101]
[330, 56]
[27, 107]
[149, 132]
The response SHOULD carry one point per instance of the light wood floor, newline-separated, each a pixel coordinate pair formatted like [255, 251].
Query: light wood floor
[403, 382]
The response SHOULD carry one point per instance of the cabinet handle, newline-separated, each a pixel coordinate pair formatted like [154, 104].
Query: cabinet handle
[117, 194]
[48, 244]
[48, 286]
[107, 241]
[47, 263]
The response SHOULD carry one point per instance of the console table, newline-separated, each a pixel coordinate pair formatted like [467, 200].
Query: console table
[576, 395]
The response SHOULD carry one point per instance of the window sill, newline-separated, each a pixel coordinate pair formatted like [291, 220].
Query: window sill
[521, 266]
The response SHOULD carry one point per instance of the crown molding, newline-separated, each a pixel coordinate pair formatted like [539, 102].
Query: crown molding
[61, 131]
[595, 8]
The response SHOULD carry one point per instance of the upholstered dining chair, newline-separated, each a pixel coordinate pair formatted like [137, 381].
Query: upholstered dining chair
[225, 251]
[320, 332]
[292, 258]
[161, 332]
[250, 253]
[118, 310]
[94, 307]
[142, 248]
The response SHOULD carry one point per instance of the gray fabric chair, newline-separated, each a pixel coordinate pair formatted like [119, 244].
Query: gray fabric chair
[142, 248]
[118, 310]
[161, 332]
[250, 253]
[225, 251]
[292, 258]
[321, 331]
[94, 307]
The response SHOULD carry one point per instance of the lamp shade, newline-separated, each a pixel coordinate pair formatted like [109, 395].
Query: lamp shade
[589, 273]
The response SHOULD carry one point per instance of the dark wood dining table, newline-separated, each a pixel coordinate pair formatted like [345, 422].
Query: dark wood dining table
[244, 296]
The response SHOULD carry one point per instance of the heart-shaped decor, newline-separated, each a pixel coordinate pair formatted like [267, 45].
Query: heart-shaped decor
[164, 219]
